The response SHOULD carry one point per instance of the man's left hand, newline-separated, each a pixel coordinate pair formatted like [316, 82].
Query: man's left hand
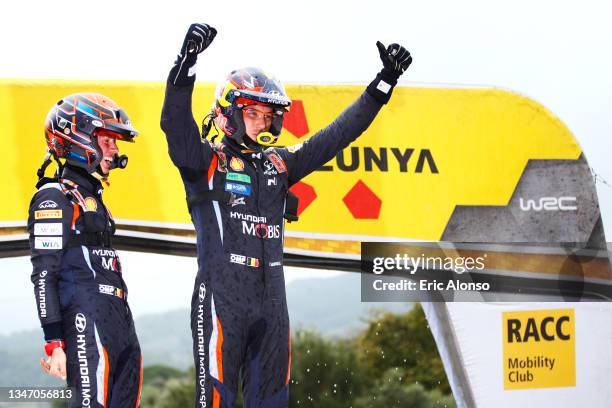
[395, 58]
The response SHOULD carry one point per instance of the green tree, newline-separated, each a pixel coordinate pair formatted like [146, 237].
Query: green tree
[177, 393]
[403, 341]
[151, 395]
[391, 391]
[323, 373]
[158, 374]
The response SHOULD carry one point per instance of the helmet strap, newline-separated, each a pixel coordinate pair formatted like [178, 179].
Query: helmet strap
[47, 161]
[100, 177]
[41, 171]
[207, 123]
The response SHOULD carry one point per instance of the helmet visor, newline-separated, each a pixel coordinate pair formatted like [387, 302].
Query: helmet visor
[118, 135]
[275, 99]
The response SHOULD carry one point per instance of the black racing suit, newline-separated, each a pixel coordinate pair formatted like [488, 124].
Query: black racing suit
[80, 293]
[239, 318]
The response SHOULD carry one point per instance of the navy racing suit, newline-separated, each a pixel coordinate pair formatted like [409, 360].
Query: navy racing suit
[80, 293]
[239, 317]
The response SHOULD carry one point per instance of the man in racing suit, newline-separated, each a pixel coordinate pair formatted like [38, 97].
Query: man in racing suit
[236, 192]
[79, 289]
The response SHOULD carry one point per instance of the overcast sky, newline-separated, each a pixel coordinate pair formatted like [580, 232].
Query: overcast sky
[558, 53]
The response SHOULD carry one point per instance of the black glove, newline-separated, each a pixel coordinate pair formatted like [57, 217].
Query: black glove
[197, 39]
[396, 59]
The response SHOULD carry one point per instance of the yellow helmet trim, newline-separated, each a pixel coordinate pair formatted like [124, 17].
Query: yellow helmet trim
[223, 98]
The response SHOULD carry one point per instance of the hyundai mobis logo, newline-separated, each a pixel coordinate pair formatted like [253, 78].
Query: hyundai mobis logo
[256, 226]
[384, 158]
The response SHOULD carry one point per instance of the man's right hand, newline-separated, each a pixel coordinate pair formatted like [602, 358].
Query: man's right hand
[56, 364]
[198, 38]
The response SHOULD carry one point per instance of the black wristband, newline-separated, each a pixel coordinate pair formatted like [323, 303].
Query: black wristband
[53, 331]
[382, 87]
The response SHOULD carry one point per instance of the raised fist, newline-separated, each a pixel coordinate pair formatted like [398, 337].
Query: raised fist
[198, 38]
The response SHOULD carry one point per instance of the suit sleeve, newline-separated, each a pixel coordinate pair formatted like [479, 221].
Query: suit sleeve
[49, 225]
[186, 149]
[327, 142]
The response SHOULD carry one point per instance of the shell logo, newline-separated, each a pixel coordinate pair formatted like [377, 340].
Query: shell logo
[91, 204]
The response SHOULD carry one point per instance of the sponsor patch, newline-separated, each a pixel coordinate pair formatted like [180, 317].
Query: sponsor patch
[238, 188]
[237, 201]
[277, 263]
[222, 163]
[278, 163]
[91, 204]
[110, 290]
[244, 260]
[106, 289]
[236, 164]
[46, 214]
[238, 177]
[271, 181]
[48, 243]
[51, 228]
[269, 169]
[47, 204]
[237, 259]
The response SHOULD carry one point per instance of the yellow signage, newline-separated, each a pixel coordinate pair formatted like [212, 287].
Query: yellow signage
[428, 151]
[539, 349]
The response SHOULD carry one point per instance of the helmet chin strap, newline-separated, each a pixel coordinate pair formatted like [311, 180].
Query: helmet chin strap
[98, 174]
